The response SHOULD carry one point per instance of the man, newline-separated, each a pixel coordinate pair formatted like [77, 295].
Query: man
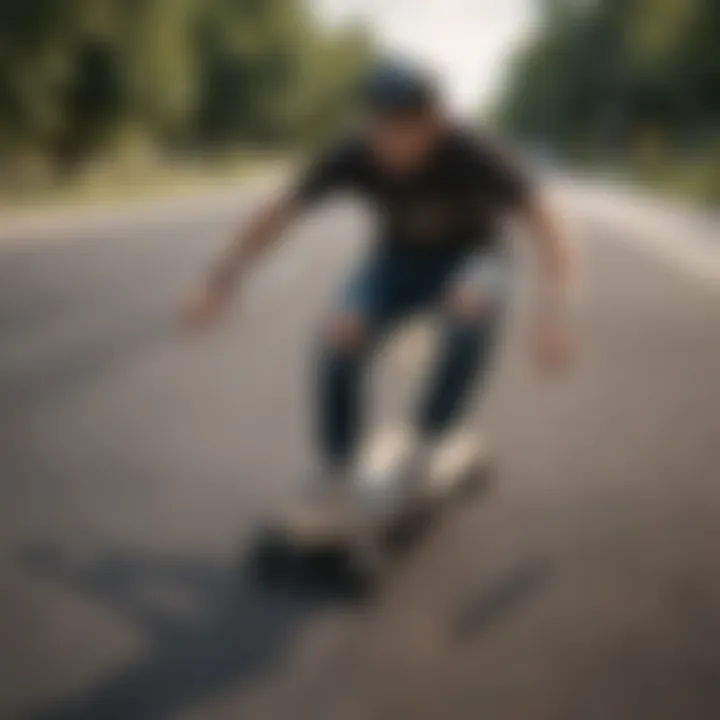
[441, 194]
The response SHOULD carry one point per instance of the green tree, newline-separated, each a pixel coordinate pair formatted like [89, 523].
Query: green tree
[77, 77]
[603, 73]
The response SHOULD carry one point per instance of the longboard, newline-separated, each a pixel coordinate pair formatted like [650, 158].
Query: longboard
[350, 554]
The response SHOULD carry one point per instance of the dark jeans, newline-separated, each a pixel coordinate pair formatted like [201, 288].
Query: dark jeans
[389, 288]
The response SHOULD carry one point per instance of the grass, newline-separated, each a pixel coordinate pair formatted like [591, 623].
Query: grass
[108, 186]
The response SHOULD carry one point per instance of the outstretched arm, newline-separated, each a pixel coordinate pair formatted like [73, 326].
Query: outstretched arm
[553, 336]
[554, 256]
[265, 228]
[331, 171]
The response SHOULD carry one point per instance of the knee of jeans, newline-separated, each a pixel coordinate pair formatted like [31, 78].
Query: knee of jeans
[345, 335]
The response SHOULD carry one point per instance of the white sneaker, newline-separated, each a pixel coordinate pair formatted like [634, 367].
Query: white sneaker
[398, 469]
[393, 472]
[461, 452]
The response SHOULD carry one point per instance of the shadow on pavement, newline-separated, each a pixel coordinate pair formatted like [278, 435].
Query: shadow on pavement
[209, 630]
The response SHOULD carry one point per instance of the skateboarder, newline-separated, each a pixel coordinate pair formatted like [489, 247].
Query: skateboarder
[441, 193]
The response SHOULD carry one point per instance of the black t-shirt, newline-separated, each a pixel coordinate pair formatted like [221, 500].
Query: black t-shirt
[453, 203]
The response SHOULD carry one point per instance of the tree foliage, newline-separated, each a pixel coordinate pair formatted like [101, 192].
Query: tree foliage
[79, 76]
[607, 75]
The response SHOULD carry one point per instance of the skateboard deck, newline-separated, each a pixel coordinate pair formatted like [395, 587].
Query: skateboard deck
[353, 549]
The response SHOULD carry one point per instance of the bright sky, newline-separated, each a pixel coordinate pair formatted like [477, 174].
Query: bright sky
[468, 42]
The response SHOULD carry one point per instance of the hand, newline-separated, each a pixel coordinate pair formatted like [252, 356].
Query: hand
[552, 345]
[205, 306]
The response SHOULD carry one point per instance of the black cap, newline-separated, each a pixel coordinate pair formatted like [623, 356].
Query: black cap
[396, 88]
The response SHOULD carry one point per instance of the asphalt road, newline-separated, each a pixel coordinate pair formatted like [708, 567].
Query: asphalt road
[134, 461]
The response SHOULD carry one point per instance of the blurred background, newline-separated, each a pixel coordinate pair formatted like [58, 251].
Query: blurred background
[135, 135]
[96, 89]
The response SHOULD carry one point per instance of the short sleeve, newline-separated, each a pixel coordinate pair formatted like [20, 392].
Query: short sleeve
[337, 168]
[505, 177]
